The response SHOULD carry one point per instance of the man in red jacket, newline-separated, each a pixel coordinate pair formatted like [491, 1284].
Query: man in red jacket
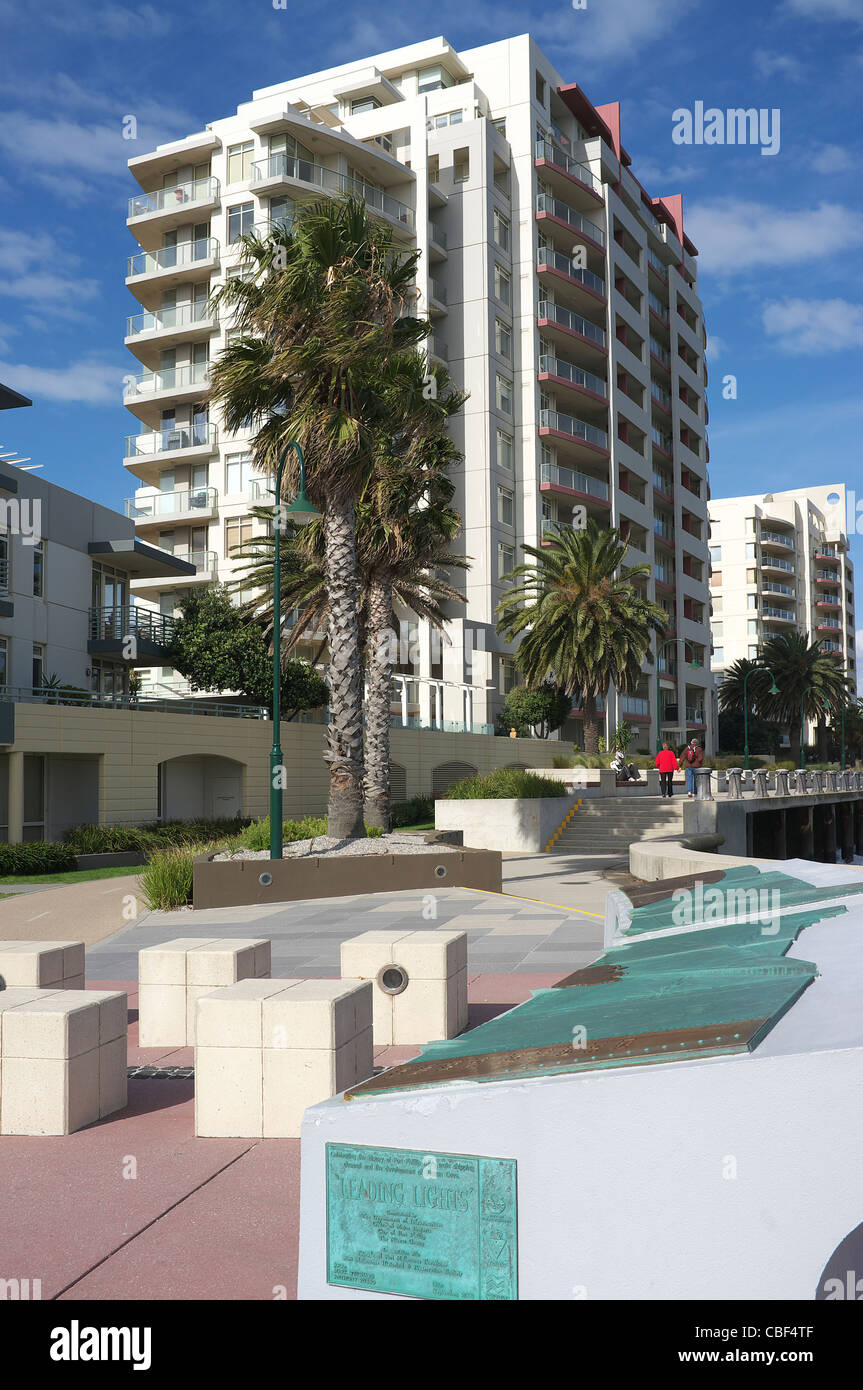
[667, 764]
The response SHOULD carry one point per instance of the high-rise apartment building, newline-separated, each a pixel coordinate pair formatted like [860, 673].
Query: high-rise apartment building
[563, 299]
[780, 563]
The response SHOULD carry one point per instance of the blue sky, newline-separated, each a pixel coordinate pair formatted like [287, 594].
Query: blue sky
[779, 236]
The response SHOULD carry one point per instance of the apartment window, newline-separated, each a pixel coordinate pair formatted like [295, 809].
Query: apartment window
[432, 80]
[506, 674]
[434, 168]
[717, 630]
[238, 473]
[504, 394]
[718, 656]
[753, 653]
[282, 210]
[461, 165]
[504, 450]
[39, 569]
[501, 229]
[238, 531]
[751, 576]
[752, 627]
[449, 118]
[503, 285]
[241, 219]
[750, 525]
[751, 600]
[539, 88]
[240, 161]
[715, 554]
[364, 104]
[505, 506]
[505, 559]
[38, 666]
[503, 339]
[717, 605]
[750, 552]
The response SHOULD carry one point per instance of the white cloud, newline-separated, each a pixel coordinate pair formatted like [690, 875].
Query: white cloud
[716, 347]
[606, 31]
[735, 235]
[832, 159]
[665, 176]
[777, 64]
[800, 326]
[108, 21]
[87, 382]
[40, 275]
[826, 9]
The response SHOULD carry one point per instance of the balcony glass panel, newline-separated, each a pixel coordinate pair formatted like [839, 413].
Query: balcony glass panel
[289, 166]
[567, 319]
[550, 150]
[170, 257]
[567, 424]
[558, 366]
[548, 259]
[554, 207]
[575, 481]
[204, 190]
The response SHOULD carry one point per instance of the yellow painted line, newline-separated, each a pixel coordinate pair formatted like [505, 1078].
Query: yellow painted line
[518, 897]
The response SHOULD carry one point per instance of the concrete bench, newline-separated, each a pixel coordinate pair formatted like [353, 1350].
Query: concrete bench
[268, 1049]
[62, 1059]
[420, 981]
[41, 965]
[173, 976]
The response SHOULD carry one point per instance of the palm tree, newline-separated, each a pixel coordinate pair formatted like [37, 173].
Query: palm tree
[580, 620]
[319, 306]
[809, 681]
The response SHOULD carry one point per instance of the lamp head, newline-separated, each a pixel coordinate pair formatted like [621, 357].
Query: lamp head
[302, 509]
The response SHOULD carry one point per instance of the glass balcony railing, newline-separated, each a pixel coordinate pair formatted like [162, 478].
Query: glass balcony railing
[785, 614]
[550, 150]
[558, 366]
[664, 574]
[664, 441]
[661, 397]
[304, 171]
[633, 704]
[165, 319]
[173, 257]
[568, 424]
[574, 322]
[166, 441]
[832, 647]
[653, 259]
[573, 480]
[663, 482]
[204, 190]
[263, 490]
[658, 351]
[663, 529]
[827, 576]
[660, 309]
[554, 207]
[776, 538]
[168, 379]
[437, 235]
[437, 291]
[437, 348]
[775, 562]
[163, 504]
[784, 589]
[548, 259]
[830, 622]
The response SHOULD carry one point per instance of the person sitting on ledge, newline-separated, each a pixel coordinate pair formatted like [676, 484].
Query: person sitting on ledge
[625, 772]
[666, 761]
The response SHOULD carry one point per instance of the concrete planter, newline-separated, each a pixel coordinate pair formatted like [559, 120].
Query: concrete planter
[513, 824]
[240, 882]
[113, 860]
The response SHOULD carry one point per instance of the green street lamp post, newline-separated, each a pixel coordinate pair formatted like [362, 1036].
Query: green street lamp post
[774, 690]
[842, 753]
[300, 510]
[693, 664]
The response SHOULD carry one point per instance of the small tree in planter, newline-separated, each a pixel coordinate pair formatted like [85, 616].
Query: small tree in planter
[621, 738]
[534, 712]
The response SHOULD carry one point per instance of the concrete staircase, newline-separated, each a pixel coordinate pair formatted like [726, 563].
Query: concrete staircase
[609, 824]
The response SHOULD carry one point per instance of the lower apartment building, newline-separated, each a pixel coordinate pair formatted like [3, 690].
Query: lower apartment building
[562, 297]
[780, 563]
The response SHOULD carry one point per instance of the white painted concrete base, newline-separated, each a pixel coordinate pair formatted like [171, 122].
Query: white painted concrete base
[510, 824]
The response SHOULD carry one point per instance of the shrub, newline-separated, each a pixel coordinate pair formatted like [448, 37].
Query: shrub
[104, 839]
[36, 857]
[257, 835]
[505, 782]
[417, 811]
[111, 839]
[166, 881]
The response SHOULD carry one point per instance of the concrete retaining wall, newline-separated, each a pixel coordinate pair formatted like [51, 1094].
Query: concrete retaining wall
[514, 824]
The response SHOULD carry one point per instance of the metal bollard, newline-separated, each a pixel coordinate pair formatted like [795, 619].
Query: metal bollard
[760, 780]
[781, 781]
[702, 784]
[734, 775]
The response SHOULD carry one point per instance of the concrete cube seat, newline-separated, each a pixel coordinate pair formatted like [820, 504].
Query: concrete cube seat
[41, 965]
[62, 1058]
[173, 976]
[420, 980]
[268, 1049]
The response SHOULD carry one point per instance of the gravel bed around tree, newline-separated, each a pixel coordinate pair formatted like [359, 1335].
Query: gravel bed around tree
[326, 845]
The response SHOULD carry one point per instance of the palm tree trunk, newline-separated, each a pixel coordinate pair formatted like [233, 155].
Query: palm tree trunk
[378, 677]
[344, 751]
[591, 727]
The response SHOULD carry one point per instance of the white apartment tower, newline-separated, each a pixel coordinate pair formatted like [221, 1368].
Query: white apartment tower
[780, 563]
[563, 299]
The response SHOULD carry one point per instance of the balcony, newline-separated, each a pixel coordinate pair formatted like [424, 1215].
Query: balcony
[186, 323]
[436, 348]
[633, 706]
[784, 589]
[206, 563]
[658, 308]
[285, 169]
[555, 478]
[555, 263]
[663, 531]
[111, 628]
[776, 562]
[828, 624]
[663, 484]
[571, 332]
[654, 263]
[146, 394]
[665, 575]
[826, 577]
[559, 370]
[437, 297]
[192, 504]
[188, 263]
[662, 398]
[437, 243]
[828, 552]
[832, 648]
[553, 422]
[151, 447]
[825, 601]
[554, 209]
[577, 178]
[776, 538]
[662, 441]
[778, 615]
[660, 353]
[152, 214]
[263, 491]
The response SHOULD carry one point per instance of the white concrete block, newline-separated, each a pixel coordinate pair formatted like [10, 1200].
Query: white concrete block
[295, 1078]
[48, 1095]
[73, 961]
[222, 963]
[161, 1015]
[433, 955]
[60, 1024]
[166, 964]
[364, 955]
[420, 1013]
[318, 1014]
[228, 1092]
[36, 963]
[113, 1089]
[232, 1017]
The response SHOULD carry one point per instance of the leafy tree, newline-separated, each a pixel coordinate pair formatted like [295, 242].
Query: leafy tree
[581, 622]
[319, 307]
[807, 678]
[527, 710]
[763, 736]
[216, 648]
